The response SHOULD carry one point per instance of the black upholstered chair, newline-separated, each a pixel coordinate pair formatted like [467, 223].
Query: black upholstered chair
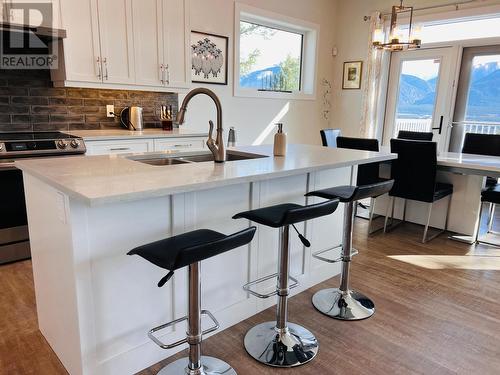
[343, 303]
[189, 249]
[280, 343]
[367, 173]
[415, 136]
[485, 144]
[329, 137]
[414, 173]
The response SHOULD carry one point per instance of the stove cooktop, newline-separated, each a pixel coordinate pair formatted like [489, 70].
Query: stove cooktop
[35, 136]
[32, 144]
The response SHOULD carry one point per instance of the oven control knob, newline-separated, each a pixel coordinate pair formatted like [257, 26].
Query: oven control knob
[74, 143]
[61, 144]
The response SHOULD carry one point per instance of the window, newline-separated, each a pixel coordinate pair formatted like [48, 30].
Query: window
[270, 59]
[275, 56]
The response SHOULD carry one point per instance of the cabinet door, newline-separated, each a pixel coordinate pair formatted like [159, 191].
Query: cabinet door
[148, 48]
[176, 42]
[123, 146]
[81, 47]
[117, 46]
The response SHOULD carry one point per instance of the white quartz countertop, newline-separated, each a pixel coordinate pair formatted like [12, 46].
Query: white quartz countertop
[110, 134]
[112, 178]
[474, 164]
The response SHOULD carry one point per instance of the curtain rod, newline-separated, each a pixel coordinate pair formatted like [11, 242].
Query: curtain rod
[455, 4]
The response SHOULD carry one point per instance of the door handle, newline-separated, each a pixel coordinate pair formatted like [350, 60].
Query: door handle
[440, 127]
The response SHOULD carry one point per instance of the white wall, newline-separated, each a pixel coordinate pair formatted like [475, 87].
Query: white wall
[251, 117]
[352, 34]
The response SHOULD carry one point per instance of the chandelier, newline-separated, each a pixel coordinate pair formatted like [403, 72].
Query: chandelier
[399, 38]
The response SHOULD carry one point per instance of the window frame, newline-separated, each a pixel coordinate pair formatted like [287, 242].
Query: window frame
[309, 58]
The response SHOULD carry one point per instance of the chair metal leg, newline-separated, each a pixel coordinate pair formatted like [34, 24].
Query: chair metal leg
[393, 226]
[343, 303]
[391, 202]
[491, 217]
[195, 363]
[279, 343]
[476, 240]
[429, 212]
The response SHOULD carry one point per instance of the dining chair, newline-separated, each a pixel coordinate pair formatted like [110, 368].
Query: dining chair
[485, 144]
[367, 173]
[329, 137]
[414, 173]
[415, 136]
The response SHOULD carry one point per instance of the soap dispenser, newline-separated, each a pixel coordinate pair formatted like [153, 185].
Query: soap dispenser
[280, 141]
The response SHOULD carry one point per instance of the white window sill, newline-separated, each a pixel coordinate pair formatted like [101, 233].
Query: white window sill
[253, 93]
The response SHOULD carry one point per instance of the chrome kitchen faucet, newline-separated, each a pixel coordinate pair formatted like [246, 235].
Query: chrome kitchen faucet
[217, 146]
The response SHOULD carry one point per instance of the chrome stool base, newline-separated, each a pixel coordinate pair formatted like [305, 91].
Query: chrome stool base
[210, 366]
[349, 305]
[294, 346]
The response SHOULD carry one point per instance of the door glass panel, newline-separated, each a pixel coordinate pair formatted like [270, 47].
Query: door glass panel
[417, 95]
[483, 97]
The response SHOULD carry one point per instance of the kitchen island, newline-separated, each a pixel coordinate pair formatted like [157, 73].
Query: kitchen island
[95, 304]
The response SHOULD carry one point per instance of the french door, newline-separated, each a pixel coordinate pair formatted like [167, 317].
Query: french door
[419, 93]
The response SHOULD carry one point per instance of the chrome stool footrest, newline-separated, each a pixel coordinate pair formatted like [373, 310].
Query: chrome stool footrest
[184, 340]
[247, 286]
[336, 260]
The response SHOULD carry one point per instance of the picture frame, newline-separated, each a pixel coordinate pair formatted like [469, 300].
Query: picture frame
[212, 70]
[352, 74]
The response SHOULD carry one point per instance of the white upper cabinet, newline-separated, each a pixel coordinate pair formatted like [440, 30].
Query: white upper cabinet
[82, 53]
[125, 43]
[176, 42]
[116, 36]
[148, 49]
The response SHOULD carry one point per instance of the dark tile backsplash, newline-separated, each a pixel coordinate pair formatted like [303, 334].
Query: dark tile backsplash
[28, 101]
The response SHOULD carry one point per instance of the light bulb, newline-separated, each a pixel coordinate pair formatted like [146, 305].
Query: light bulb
[378, 36]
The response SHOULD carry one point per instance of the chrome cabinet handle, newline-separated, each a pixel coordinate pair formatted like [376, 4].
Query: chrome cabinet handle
[162, 71]
[99, 69]
[120, 149]
[168, 75]
[105, 61]
[184, 145]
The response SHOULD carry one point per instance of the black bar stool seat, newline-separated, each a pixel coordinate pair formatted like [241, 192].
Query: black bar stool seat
[343, 303]
[280, 343]
[182, 250]
[287, 213]
[189, 249]
[349, 193]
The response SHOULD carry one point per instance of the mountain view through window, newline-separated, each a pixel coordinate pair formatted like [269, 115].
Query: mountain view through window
[270, 59]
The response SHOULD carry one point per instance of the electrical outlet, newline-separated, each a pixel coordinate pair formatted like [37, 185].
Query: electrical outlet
[110, 110]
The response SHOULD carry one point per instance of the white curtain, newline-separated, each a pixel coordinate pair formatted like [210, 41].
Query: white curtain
[372, 87]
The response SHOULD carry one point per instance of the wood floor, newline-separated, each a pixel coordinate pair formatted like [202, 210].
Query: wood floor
[438, 312]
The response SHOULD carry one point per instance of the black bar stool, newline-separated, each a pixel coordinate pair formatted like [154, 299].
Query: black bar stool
[415, 136]
[279, 343]
[490, 195]
[189, 249]
[343, 303]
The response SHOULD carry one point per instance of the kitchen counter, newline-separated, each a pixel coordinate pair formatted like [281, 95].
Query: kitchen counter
[111, 178]
[95, 304]
[110, 134]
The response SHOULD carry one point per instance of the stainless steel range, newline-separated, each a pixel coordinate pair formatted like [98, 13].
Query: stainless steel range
[14, 239]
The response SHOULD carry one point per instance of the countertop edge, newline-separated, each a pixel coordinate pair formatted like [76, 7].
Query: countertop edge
[147, 194]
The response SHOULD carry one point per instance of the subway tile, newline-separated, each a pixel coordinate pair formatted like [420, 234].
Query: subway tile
[4, 100]
[113, 94]
[39, 118]
[45, 109]
[29, 83]
[20, 119]
[13, 91]
[14, 109]
[16, 127]
[29, 100]
[65, 101]
[82, 93]
[95, 102]
[4, 119]
[84, 126]
[66, 118]
[47, 91]
[50, 126]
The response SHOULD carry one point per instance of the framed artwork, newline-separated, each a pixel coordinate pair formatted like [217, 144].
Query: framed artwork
[209, 58]
[351, 79]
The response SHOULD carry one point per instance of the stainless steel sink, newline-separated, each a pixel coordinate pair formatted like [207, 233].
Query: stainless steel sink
[194, 157]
